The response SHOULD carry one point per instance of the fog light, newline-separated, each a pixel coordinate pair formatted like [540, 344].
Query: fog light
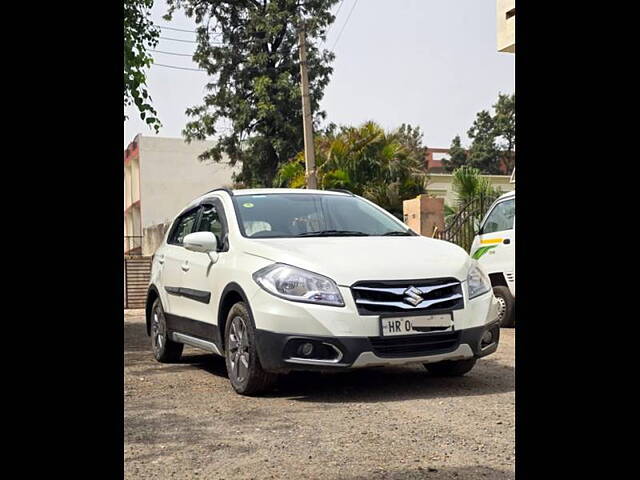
[305, 349]
[487, 338]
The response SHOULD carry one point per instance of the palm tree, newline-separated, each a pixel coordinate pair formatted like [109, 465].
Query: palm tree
[469, 186]
[366, 160]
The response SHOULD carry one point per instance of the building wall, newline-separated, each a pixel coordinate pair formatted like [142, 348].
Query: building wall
[161, 176]
[506, 25]
[171, 176]
[440, 185]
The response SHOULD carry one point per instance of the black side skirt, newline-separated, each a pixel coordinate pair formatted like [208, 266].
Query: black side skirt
[194, 328]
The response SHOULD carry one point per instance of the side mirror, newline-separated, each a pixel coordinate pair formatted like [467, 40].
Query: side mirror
[204, 242]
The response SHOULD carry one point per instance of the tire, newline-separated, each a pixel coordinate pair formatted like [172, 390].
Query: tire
[241, 355]
[507, 306]
[455, 368]
[164, 349]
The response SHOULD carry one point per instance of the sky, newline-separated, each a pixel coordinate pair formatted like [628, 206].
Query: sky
[430, 63]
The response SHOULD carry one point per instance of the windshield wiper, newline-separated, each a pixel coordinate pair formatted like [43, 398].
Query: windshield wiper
[398, 233]
[333, 233]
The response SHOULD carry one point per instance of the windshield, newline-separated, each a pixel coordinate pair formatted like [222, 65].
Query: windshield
[308, 215]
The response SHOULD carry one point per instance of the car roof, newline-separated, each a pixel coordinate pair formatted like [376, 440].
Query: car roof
[265, 191]
[260, 191]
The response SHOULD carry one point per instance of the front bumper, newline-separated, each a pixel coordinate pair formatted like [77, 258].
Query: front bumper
[277, 355]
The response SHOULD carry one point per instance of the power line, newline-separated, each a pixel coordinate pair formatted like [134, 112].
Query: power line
[177, 29]
[179, 68]
[337, 12]
[173, 53]
[188, 31]
[345, 24]
[178, 40]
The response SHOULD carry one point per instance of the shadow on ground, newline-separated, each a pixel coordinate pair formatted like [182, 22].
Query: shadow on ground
[363, 385]
[461, 473]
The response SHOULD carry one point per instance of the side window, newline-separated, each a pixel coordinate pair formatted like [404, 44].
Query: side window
[501, 217]
[184, 226]
[210, 222]
[213, 220]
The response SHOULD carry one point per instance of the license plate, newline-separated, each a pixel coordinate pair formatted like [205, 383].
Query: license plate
[391, 326]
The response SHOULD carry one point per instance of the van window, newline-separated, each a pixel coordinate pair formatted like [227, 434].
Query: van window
[501, 217]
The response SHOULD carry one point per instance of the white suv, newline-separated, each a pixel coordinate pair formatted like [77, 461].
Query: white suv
[277, 280]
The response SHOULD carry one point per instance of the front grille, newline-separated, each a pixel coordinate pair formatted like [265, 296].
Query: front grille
[383, 297]
[415, 345]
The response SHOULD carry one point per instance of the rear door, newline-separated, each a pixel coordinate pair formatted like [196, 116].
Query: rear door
[495, 246]
[173, 257]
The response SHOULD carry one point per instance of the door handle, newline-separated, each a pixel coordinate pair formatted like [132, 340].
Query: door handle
[185, 266]
[506, 241]
[161, 259]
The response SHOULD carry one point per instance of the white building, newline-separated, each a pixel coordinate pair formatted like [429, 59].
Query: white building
[506, 25]
[161, 176]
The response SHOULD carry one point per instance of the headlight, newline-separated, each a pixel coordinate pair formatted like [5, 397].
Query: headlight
[298, 285]
[477, 281]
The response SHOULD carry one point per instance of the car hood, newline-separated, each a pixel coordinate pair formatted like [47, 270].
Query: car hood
[347, 260]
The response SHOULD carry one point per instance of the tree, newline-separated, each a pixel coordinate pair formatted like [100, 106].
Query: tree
[411, 138]
[457, 156]
[382, 166]
[505, 128]
[249, 48]
[484, 153]
[469, 185]
[140, 34]
[493, 141]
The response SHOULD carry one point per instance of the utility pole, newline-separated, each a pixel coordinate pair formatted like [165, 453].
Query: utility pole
[307, 119]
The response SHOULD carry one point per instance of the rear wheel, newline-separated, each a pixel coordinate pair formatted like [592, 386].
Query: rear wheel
[243, 365]
[455, 368]
[506, 308]
[165, 350]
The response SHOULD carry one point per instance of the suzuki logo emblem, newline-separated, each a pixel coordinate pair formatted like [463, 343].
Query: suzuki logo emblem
[413, 296]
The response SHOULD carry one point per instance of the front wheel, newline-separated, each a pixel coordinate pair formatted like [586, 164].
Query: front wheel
[241, 354]
[507, 304]
[450, 368]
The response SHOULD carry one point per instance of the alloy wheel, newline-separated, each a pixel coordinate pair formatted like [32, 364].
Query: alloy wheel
[158, 331]
[239, 349]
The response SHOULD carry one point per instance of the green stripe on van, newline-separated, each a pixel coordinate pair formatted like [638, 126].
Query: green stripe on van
[481, 251]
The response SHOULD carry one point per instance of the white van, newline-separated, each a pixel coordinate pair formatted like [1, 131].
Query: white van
[494, 247]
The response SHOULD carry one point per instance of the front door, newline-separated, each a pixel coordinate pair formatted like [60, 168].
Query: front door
[494, 247]
[199, 280]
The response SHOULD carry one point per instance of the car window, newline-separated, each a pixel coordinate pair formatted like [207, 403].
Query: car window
[501, 217]
[292, 215]
[184, 226]
[210, 222]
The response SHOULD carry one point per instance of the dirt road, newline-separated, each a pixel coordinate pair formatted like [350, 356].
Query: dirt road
[185, 421]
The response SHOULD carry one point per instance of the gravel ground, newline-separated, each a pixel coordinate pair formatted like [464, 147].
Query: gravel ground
[185, 421]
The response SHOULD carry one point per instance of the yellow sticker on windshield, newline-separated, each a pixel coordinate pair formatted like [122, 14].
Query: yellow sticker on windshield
[247, 205]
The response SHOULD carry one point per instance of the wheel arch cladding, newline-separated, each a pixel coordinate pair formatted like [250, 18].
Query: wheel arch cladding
[232, 294]
[152, 294]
